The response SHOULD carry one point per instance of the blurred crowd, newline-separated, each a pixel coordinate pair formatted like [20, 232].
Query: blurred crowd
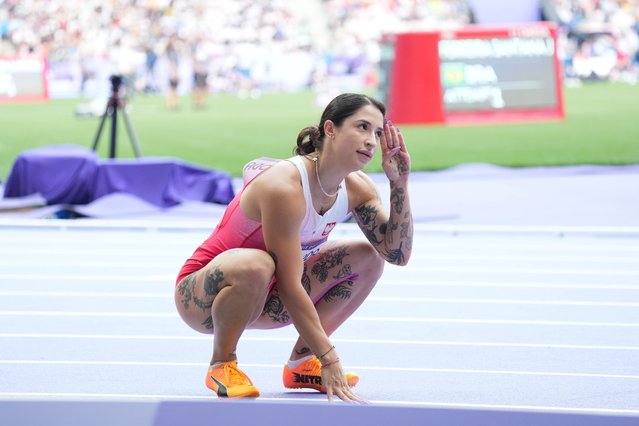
[357, 26]
[250, 46]
[239, 46]
[599, 38]
[157, 44]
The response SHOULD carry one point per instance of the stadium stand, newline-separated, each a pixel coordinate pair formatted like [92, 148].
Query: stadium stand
[600, 38]
[247, 47]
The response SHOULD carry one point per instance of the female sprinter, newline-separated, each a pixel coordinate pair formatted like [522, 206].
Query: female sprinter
[268, 262]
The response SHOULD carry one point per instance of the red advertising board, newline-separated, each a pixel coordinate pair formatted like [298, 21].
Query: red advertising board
[472, 75]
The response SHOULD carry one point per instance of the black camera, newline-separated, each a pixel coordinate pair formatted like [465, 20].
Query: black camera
[116, 82]
[115, 104]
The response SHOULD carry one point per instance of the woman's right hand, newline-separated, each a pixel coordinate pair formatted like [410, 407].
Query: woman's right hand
[334, 381]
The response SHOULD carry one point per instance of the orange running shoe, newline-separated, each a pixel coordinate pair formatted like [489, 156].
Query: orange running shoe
[228, 381]
[309, 375]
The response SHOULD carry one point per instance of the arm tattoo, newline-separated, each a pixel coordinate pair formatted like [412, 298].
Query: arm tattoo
[407, 235]
[402, 167]
[397, 199]
[396, 255]
[365, 216]
[393, 227]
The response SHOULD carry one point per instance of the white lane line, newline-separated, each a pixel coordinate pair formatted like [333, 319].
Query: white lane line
[457, 257]
[321, 399]
[354, 367]
[414, 269]
[440, 300]
[126, 294]
[387, 281]
[495, 322]
[64, 264]
[293, 339]
[137, 226]
[355, 318]
[378, 299]
[81, 253]
[50, 276]
[427, 246]
[11, 257]
[522, 270]
[89, 314]
[145, 295]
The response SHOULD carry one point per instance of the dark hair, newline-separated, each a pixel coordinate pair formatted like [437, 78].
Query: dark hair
[311, 138]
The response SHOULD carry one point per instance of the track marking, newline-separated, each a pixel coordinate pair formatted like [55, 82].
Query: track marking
[126, 294]
[387, 281]
[414, 268]
[83, 277]
[354, 367]
[11, 257]
[321, 399]
[503, 301]
[336, 340]
[378, 299]
[354, 318]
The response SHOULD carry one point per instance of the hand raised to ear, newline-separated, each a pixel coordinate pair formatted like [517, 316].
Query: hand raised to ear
[395, 157]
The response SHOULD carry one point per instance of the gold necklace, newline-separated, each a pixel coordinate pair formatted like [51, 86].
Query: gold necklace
[320, 182]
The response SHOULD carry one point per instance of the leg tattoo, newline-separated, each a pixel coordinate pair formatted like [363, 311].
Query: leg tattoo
[212, 281]
[185, 288]
[327, 261]
[340, 291]
[274, 308]
[306, 280]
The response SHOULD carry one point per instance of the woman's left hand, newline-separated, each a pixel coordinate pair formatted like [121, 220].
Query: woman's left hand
[395, 157]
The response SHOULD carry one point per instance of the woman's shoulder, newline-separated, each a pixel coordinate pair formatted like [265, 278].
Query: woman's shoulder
[359, 181]
[277, 188]
[280, 178]
[361, 188]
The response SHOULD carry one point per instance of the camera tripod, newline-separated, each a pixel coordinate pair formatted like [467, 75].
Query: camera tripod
[114, 104]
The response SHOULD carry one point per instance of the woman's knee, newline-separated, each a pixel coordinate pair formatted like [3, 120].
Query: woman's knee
[253, 271]
[370, 262]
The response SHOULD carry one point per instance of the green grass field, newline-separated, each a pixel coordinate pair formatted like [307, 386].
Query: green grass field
[601, 127]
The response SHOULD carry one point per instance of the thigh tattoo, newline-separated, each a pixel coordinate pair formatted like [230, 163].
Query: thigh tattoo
[185, 288]
[275, 309]
[327, 261]
[339, 292]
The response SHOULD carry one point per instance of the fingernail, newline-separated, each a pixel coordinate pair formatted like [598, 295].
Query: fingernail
[395, 150]
[397, 128]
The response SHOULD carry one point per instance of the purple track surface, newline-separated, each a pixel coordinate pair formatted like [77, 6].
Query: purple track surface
[518, 307]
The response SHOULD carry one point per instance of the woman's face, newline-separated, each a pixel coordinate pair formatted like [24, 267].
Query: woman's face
[358, 136]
